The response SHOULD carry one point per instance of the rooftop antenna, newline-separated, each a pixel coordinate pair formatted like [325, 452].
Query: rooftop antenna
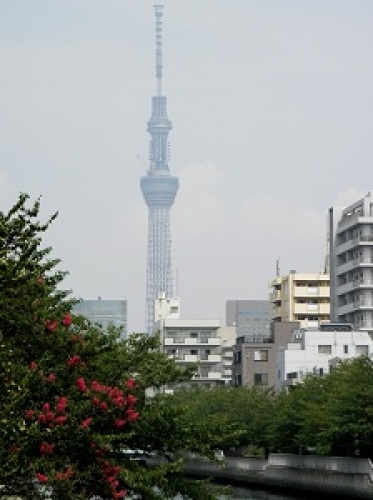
[278, 267]
[158, 46]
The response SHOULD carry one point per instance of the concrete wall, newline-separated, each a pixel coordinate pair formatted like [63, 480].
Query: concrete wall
[344, 477]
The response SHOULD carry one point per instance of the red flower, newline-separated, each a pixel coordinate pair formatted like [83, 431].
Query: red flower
[29, 414]
[130, 383]
[119, 494]
[81, 385]
[46, 448]
[104, 406]
[61, 404]
[96, 386]
[51, 325]
[61, 419]
[41, 477]
[75, 360]
[33, 365]
[42, 418]
[132, 415]
[46, 407]
[65, 475]
[49, 416]
[67, 320]
[51, 377]
[86, 423]
[95, 401]
[120, 422]
[131, 399]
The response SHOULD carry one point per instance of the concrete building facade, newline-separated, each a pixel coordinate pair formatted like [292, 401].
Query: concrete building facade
[315, 351]
[350, 234]
[200, 342]
[254, 363]
[303, 297]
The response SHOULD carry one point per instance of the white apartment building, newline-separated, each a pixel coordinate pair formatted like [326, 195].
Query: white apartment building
[202, 342]
[302, 297]
[350, 234]
[314, 351]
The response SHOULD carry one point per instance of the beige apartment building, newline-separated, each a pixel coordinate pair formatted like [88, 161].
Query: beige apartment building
[302, 297]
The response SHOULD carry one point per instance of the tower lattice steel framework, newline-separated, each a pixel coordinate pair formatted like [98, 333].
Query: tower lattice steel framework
[159, 189]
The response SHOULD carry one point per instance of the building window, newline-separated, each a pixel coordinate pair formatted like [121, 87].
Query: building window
[205, 354]
[261, 355]
[362, 350]
[325, 349]
[237, 357]
[345, 349]
[260, 378]
[204, 371]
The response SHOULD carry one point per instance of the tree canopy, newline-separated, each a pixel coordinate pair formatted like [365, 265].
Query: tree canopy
[74, 398]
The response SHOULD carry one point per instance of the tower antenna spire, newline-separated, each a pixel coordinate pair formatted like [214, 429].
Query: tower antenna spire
[158, 46]
[159, 188]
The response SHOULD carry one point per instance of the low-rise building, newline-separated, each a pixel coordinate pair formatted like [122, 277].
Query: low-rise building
[254, 362]
[314, 351]
[200, 342]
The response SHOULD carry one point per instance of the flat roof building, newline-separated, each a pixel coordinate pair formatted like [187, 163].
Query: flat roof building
[350, 235]
[303, 297]
[104, 313]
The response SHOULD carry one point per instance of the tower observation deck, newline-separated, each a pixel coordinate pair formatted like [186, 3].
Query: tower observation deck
[159, 189]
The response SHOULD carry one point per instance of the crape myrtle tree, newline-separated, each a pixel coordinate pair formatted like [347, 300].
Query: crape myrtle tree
[74, 397]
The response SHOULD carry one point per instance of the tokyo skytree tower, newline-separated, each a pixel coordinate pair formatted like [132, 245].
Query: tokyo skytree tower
[159, 189]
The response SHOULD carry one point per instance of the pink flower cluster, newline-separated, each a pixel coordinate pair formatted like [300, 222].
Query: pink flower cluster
[117, 398]
[110, 474]
[51, 326]
[47, 416]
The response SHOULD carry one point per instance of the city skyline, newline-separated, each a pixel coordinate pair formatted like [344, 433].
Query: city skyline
[273, 118]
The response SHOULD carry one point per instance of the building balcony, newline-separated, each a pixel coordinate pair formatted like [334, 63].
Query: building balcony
[192, 341]
[344, 247]
[363, 283]
[320, 308]
[212, 358]
[308, 292]
[275, 296]
[346, 309]
[344, 268]
[188, 358]
[345, 288]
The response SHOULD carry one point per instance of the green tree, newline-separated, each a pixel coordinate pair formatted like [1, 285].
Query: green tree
[72, 397]
[348, 409]
[330, 414]
[236, 416]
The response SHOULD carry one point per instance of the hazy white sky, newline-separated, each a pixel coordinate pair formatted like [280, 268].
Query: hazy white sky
[272, 107]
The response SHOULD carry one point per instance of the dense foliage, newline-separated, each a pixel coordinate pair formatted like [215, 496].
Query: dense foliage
[328, 415]
[74, 398]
